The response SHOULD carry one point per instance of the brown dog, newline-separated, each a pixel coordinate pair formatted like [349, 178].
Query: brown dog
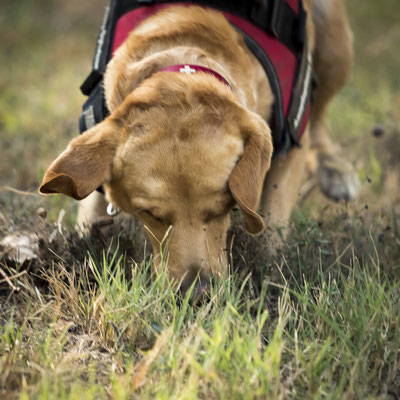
[178, 151]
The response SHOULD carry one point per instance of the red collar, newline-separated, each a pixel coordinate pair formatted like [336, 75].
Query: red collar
[193, 69]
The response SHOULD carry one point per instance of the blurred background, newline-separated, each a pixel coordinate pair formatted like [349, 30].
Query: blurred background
[46, 49]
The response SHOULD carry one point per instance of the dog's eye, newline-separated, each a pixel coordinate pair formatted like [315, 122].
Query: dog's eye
[151, 215]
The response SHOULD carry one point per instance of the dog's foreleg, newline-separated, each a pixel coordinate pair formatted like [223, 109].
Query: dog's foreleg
[89, 209]
[281, 192]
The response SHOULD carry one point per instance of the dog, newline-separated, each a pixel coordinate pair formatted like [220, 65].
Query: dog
[179, 150]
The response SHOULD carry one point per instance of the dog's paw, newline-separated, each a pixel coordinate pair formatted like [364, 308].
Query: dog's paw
[337, 177]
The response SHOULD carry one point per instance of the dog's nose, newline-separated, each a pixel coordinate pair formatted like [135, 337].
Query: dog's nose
[201, 290]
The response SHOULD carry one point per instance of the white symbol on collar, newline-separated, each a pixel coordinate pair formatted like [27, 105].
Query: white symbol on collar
[187, 70]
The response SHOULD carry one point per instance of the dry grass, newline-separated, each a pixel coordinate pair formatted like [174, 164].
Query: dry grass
[319, 321]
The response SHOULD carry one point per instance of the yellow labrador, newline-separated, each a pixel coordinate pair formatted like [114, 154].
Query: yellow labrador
[179, 150]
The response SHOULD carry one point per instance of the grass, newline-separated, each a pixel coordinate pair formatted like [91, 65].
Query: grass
[319, 330]
[88, 319]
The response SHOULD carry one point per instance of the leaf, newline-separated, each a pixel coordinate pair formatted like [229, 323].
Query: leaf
[21, 247]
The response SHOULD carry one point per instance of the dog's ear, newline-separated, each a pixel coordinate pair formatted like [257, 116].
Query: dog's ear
[84, 165]
[129, 79]
[247, 178]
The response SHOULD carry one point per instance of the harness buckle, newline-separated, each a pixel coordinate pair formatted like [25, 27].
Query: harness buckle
[91, 81]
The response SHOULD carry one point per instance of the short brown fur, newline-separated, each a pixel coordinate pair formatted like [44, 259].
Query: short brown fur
[179, 151]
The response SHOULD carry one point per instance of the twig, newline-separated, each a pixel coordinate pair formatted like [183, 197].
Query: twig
[21, 192]
[7, 279]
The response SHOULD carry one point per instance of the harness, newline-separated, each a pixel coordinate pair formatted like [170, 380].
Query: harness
[274, 30]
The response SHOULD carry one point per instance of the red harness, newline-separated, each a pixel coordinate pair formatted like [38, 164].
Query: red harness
[289, 71]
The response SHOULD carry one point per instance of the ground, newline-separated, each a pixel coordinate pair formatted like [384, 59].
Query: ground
[86, 318]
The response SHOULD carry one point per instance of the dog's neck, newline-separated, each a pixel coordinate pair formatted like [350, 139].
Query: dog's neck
[139, 70]
[190, 69]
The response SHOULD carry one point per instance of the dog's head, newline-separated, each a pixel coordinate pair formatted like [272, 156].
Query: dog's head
[178, 153]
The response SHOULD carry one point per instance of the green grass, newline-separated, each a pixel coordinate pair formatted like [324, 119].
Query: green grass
[88, 319]
[315, 332]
